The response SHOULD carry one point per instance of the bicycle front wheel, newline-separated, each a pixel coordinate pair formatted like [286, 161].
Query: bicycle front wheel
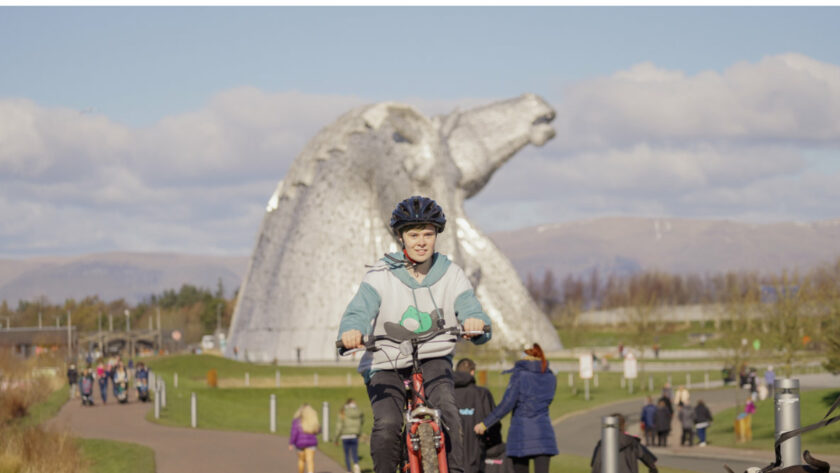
[428, 452]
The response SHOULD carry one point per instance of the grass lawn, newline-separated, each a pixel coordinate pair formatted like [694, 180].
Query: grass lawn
[106, 456]
[42, 411]
[247, 409]
[814, 404]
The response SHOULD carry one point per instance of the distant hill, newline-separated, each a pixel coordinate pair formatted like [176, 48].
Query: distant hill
[132, 276]
[612, 245]
[682, 246]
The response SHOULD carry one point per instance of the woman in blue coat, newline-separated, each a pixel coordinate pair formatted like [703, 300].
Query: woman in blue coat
[528, 395]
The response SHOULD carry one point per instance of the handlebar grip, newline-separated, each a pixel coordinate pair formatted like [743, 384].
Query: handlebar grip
[339, 344]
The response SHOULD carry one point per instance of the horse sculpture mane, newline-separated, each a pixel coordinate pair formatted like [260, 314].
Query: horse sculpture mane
[327, 219]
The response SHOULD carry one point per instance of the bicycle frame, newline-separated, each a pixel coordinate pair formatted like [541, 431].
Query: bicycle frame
[418, 413]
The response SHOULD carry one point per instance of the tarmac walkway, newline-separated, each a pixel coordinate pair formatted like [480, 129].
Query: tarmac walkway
[577, 433]
[181, 450]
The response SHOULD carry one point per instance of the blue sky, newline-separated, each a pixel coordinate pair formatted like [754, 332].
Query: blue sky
[144, 77]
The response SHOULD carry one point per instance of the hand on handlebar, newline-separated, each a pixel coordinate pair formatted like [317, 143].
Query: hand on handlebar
[352, 339]
[476, 326]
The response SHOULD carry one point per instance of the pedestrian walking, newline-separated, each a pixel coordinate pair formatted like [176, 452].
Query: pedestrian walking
[702, 420]
[682, 396]
[348, 429]
[72, 380]
[662, 421]
[304, 437]
[648, 422]
[630, 452]
[474, 404]
[687, 418]
[770, 380]
[529, 393]
[102, 376]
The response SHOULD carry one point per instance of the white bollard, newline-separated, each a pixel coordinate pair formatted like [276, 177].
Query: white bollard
[272, 408]
[157, 404]
[315, 378]
[586, 389]
[609, 444]
[786, 397]
[193, 411]
[277, 378]
[706, 376]
[162, 394]
[325, 424]
[175, 381]
[247, 379]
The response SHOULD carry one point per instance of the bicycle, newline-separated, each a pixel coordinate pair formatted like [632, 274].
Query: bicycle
[424, 449]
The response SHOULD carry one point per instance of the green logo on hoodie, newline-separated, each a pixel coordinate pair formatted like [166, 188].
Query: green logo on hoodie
[416, 321]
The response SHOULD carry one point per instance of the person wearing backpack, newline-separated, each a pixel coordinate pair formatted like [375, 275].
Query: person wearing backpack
[348, 429]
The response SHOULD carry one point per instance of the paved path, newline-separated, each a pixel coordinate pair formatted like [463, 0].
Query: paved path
[578, 433]
[179, 450]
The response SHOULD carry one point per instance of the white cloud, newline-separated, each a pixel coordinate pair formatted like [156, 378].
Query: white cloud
[780, 98]
[642, 141]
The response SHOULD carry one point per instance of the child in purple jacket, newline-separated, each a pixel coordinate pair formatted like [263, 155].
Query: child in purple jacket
[304, 437]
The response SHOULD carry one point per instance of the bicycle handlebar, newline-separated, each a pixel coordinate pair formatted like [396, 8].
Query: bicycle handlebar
[369, 341]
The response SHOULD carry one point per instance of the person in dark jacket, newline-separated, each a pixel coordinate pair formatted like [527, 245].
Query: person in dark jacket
[529, 393]
[474, 403]
[662, 420]
[702, 419]
[630, 451]
[72, 380]
[687, 416]
[647, 417]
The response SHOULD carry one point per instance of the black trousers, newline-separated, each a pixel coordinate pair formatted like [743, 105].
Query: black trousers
[387, 399]
[520, 464]
[687, 437]
[650, 436]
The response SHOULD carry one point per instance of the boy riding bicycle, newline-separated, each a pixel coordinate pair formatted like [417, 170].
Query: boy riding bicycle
[422, 291]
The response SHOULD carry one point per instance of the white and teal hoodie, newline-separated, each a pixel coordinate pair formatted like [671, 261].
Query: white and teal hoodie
[389, 294]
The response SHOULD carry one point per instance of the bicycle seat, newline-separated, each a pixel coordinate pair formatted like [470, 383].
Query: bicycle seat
[398, 332]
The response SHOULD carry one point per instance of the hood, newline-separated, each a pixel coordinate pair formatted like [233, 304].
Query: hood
[462, 379]
[531, 365]
[625, 441]
[395, 262]
[352, 412]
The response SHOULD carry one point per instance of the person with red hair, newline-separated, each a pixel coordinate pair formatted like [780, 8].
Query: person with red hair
[529, 393]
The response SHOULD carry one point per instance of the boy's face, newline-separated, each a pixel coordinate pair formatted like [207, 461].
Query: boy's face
[420, 242]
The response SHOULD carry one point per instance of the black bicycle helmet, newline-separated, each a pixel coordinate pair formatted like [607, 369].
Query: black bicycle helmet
[417, 210]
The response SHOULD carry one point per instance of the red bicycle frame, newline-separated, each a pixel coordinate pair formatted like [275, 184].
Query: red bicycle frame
[416, 414]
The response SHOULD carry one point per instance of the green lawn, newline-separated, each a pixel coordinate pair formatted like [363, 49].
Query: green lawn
[42, 411]
[814, 405]
[106, 456]
[248, 409]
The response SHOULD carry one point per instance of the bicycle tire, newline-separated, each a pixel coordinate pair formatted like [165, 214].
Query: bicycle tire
[428, 453]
